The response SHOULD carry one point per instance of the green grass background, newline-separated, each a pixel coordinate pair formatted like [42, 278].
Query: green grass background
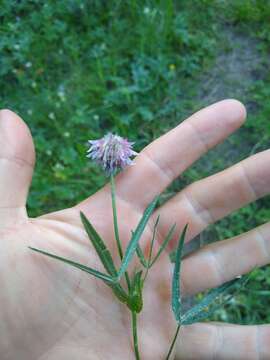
[75, 70]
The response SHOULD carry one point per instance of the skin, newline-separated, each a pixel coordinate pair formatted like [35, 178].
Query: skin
[51, 311]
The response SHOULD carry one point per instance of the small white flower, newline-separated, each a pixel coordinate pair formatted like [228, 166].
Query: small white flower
[28, 64]
[146, 10]
[49, 152]
[66, 134]
[62, 98]
[17, 47]
[103, 46]
[34, 84]
[61, 93]
[51, 116]
[29, 111]
[58, 166]
[96, 117]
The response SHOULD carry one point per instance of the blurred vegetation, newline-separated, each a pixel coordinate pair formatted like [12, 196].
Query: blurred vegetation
[74, 70]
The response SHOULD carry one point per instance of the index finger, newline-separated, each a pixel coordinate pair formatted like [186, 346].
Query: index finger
[224, 341]
[167, 157]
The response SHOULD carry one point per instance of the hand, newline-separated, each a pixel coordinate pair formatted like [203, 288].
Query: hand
[51, 311]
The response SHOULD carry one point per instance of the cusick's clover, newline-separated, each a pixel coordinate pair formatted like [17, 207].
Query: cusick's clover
[114, 153]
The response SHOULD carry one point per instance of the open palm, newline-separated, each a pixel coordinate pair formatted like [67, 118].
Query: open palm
[52, 311]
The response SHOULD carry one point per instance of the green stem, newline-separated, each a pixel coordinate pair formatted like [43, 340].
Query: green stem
[151, 251]
[173, 342]
[116, 230]
[146, 273]
[135, 335]
[149, 261]
[115, 223]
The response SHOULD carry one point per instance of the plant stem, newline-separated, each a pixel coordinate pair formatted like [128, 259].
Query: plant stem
[115, 223]
[135, 335]
[151, 250]
[146, 273]
[116, 230]
[173, 342]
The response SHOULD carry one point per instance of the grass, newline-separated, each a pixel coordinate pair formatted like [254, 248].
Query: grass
[76, 69]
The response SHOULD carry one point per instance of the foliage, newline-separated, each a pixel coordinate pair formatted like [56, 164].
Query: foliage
[76, 69]
[74, 78]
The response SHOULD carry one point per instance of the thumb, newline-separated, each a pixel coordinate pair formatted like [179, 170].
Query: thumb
[17, 159]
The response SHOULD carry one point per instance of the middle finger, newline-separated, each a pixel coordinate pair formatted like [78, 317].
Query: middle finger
[210, 199]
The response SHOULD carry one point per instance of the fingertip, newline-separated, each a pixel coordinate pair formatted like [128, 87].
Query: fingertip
[235, 109]
[16, 137]
[8, 115]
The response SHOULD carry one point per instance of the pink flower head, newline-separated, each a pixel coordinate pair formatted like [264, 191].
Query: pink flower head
[112, 152]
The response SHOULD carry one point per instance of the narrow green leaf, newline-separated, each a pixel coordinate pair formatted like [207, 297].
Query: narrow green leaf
[119, 292]
[141, 256]
[84, 268]
[137, 282]
[176, 295]
[145, 263]
[172, 256]
[136, 300]
[100, 246]
[163, 245]
[108, 280]
[131, 249]
[205, 308]
[152, 241]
